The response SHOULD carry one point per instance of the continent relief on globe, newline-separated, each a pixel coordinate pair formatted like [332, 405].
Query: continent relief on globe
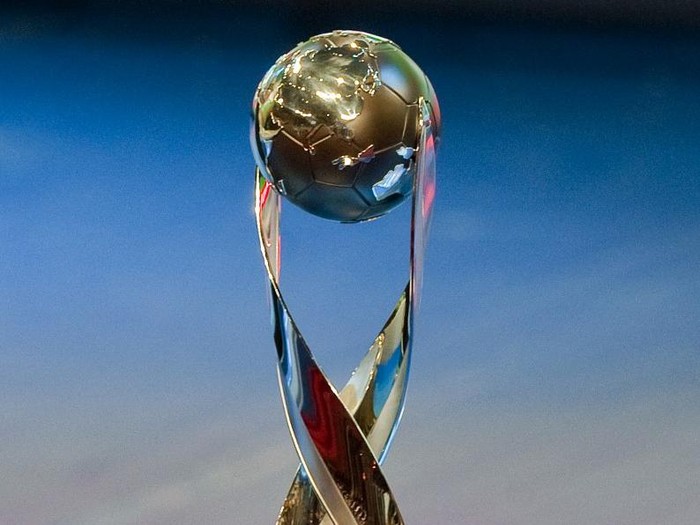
[337, 122]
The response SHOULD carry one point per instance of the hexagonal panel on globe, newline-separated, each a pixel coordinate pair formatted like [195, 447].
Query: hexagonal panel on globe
[387, 174]
[400, 73]
[335, 160]
[332, 202]
[289, 165]
[381, 122]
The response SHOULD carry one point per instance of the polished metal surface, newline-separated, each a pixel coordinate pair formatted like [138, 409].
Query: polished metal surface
[342, 437]
[337, 122]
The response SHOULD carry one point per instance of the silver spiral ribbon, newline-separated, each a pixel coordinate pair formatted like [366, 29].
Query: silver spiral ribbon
[342, 438]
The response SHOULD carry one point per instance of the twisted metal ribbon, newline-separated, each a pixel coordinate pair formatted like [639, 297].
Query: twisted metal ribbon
[341, 438]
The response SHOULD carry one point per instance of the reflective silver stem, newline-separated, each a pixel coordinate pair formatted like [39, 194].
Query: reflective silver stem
[342, 438]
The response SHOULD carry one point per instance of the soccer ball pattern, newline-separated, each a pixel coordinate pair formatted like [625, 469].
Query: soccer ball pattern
[336, 125]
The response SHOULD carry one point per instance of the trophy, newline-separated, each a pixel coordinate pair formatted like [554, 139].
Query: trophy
[345, 127]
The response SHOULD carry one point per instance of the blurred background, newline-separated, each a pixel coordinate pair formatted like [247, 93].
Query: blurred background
[556, 377]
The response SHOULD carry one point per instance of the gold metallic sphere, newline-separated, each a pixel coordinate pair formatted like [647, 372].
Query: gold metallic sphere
[336, 125]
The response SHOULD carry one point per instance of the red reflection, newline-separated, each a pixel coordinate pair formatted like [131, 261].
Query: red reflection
[265, 193]
[321, 425]
[429, 178]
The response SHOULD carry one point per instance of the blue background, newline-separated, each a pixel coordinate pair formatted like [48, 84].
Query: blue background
[556, 376]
